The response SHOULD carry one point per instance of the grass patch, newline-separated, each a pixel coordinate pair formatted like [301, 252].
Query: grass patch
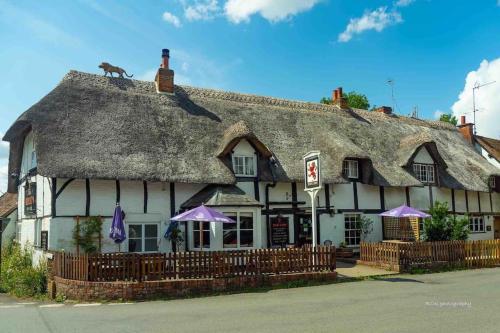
[18, 276]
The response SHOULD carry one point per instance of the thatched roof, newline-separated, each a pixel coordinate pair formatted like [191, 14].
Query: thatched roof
[92, 126]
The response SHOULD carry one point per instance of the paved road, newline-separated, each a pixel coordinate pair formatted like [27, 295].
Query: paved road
[466, 301]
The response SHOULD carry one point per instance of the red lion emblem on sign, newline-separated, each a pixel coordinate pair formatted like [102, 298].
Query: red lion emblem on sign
[312, 170]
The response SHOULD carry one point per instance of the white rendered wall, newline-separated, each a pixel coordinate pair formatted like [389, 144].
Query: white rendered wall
[423, 156]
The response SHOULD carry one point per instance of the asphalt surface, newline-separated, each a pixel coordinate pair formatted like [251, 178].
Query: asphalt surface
[462, 301]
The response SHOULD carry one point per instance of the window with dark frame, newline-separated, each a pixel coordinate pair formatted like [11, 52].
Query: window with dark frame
[350, 169]
[476, 224]
[424, 172]
[492, 182]
[30, 198]
[205, 228]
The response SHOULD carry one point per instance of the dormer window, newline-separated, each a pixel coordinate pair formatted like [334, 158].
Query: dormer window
[244, 166]
[350, 169]
[424, 172]
[492, 182]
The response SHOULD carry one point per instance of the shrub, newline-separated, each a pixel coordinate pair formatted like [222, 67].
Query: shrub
[18, 275]
[443, 226]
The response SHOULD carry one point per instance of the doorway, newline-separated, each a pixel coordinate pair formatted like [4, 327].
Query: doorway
[496, 227]
[304, 232]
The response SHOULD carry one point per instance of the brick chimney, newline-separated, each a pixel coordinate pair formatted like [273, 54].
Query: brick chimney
[165, 76]
[339, 99]
[467, 129]
[384, 109]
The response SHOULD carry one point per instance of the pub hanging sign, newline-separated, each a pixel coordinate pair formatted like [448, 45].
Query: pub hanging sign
[312, 171]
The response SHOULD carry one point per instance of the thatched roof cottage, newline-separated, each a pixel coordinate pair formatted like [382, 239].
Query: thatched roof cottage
[158, 148]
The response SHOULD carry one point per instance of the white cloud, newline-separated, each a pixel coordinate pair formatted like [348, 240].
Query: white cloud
[4, 170]
[376, 20]
[487, 98]
[438, 114]
[238, 11]
[201, 10]
[404, 3]
[172, 19]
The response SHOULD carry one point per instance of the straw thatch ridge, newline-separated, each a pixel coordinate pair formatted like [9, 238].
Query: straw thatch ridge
[92, 126]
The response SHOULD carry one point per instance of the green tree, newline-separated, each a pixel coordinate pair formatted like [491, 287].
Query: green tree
[354, 100]
[449, 118]
[443, 226]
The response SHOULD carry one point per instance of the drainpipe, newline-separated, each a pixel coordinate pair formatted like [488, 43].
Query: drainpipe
[271, 163]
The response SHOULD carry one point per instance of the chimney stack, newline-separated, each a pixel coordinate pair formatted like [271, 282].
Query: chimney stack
[467, 129]
[165, 76]
[384, 109]
[339, 99]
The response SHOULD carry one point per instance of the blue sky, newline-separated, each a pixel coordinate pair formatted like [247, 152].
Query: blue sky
[434, 50]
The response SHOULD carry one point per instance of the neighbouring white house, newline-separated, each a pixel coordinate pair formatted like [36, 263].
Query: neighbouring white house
[158, 149]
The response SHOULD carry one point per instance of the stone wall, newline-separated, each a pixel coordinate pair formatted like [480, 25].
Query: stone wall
[120, 290]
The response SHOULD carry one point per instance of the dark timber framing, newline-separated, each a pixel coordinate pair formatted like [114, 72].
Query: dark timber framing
[382, 198]
[478, 201]
[53, 201]
[453, 208]
[66, 183]
[407, 191]
[117, 183]
[466, 202]
[327, 196]
[87, 192]
[145, 185]
[491, 203]
[355, 194]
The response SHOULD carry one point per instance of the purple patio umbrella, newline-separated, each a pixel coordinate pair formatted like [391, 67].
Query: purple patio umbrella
[117, 230]
[202, 214]
[404, 211]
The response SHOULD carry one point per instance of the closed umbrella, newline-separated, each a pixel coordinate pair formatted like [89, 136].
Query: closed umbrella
[202, 214]
[117, 230]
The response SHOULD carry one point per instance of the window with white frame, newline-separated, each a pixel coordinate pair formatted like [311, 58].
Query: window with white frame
[205, 228]
[143, 237]
[476, 224]
[492, 182]
[239, 234]
[424, 172]
[244, 166]
[352, 231]
[350, 169]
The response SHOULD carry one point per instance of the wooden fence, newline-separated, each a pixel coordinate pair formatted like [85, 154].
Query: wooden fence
[405, 256]
[191, 265]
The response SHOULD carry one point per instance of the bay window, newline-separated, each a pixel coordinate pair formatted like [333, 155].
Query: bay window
[240, 234]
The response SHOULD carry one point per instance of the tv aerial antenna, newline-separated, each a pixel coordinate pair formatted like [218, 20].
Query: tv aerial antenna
[391, 83]
[477, 85]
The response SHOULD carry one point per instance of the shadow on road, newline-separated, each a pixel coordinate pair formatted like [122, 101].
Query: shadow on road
[398, 279]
